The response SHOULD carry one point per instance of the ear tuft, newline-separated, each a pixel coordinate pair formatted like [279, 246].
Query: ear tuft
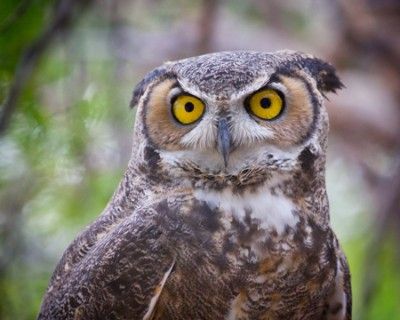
[324, 74]
[144, 83]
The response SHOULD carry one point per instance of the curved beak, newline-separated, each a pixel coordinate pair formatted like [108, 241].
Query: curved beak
[223, 140]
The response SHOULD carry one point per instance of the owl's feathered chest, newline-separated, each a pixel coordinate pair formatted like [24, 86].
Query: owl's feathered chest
[269, 210]
[254, 252]
[260, 223]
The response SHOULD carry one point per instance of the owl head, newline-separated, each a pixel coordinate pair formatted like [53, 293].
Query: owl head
[233, 117]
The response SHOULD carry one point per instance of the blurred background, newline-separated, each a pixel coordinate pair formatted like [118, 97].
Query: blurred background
[67, 70]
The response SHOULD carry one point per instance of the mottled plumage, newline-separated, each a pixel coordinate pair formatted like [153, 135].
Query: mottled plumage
[224, 218]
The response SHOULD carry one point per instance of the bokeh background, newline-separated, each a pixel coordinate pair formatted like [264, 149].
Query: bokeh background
[67, 70]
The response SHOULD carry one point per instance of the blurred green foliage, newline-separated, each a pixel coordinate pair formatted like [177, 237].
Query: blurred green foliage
[51, 178]
[68, 143]
[17, 16]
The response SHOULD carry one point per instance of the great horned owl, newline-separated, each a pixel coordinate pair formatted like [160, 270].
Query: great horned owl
[222, 212]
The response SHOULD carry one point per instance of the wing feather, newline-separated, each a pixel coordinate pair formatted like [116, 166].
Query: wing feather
[339, 303]
[153, 302]
[121, 276]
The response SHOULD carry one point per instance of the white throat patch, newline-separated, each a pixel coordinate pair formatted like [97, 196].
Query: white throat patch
[273, 211]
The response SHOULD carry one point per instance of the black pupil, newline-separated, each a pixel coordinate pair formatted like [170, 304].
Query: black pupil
[265, 103]
[189, 107]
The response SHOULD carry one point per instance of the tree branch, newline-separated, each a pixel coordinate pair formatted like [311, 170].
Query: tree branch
[19, 11]
[60, 22]
[206, 25]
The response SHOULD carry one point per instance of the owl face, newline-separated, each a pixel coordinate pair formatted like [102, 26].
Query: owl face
[227, 112]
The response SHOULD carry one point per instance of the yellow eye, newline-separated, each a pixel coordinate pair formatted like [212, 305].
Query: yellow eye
[266, 104]
[187, 109]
